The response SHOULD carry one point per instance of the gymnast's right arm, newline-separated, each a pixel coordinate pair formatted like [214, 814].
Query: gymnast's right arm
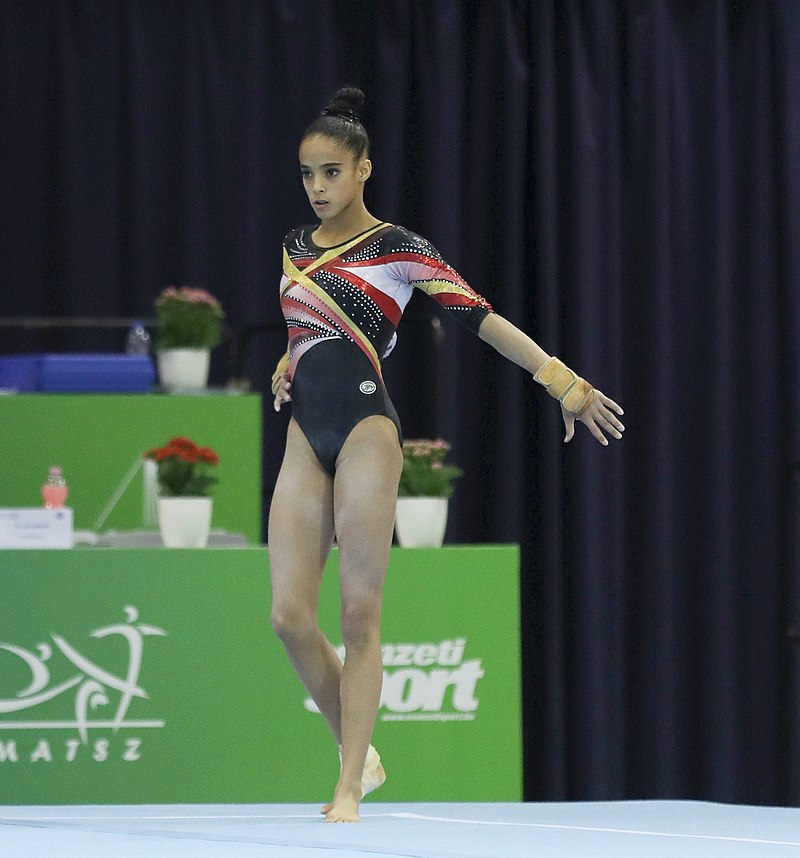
[578, 399]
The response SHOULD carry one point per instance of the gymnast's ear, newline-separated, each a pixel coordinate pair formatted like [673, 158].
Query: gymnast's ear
[364, 169]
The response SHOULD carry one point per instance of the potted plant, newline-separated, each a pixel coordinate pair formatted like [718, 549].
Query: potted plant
[189, 326]
[426, 484]
[184, 485]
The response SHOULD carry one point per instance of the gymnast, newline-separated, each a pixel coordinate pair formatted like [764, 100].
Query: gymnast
[346, 281]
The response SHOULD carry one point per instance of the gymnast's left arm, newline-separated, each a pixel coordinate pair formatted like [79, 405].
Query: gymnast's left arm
[578, 399]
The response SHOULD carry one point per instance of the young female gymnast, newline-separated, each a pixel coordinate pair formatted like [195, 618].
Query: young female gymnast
[346, 281]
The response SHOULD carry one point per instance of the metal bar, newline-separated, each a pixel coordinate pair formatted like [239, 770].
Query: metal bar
[72, 322]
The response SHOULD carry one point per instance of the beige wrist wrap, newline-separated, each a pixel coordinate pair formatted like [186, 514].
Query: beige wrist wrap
[280, 369]
[573, 392]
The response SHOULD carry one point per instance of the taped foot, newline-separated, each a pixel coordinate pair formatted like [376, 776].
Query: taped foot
[374, 775]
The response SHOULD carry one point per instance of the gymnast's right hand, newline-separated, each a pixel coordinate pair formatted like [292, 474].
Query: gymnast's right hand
[281, 391]
[281, 385]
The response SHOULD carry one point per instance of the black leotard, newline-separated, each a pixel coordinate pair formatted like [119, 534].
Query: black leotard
[342, 306]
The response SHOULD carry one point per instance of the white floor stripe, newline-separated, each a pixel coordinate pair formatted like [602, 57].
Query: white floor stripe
[600, 830]
[18, 819]
[160, 818]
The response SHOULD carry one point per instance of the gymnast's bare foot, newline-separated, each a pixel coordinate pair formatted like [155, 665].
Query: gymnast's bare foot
[344, 807]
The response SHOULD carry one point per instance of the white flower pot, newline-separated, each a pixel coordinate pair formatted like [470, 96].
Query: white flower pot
[184, 522]
[421, 522]
[183, 369]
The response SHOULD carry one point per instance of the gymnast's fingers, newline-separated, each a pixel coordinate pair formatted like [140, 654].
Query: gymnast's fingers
[591, 424]
[608, 402]
[605, 418]
[613, 421]
[282, 393]
[279, 382]
[604, 422]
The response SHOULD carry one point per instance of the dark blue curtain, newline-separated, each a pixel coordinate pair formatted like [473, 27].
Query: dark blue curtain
[621, 178]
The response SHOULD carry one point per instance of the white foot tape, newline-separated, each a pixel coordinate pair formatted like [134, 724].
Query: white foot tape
[373, 775]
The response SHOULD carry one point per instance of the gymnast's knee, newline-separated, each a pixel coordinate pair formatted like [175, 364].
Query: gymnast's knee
[293, 625]
[361, 626]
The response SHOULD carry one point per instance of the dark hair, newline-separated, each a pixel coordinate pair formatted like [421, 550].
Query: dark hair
[340, 120]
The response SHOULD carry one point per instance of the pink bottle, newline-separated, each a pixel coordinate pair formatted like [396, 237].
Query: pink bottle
[55, 491]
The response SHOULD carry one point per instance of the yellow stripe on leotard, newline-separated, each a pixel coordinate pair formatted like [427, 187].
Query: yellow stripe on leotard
[295, 275]
[326, 257]
[437, 287]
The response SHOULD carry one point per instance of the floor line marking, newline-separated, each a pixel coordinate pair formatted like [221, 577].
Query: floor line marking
[15, 819]
[158, 818]
[600, 830]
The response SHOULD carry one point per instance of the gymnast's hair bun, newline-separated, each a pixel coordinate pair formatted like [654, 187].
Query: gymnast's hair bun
[341, 121]
[346, 103]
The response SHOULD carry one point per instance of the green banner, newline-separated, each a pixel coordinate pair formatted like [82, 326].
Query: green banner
[97, 438]
[153, 676]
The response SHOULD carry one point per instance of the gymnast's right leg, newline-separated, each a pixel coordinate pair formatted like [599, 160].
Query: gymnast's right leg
[301, 532]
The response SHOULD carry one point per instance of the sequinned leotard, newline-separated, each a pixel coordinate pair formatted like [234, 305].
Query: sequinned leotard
[342, 306]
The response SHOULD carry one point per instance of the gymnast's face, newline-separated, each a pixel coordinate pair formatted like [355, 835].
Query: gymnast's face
[332, 177]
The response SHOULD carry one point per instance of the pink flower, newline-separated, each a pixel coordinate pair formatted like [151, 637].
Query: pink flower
[189, 294]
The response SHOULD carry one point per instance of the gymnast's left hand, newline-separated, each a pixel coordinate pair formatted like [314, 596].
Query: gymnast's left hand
[600, 417]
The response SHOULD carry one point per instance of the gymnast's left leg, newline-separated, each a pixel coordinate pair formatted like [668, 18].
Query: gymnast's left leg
[364, 497]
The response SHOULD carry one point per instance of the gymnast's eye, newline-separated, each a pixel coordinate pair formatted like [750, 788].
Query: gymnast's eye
[331, 172]
[305, 173]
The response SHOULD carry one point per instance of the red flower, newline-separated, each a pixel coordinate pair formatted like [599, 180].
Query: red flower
[183, 467]
[181, 442]
[208, 455]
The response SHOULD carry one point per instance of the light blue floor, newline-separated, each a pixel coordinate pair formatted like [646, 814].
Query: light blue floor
[656, 829]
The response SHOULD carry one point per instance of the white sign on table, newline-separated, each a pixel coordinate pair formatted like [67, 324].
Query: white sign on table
[36, 528]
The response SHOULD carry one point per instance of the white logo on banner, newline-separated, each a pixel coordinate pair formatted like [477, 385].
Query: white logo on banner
[92, 686]
[432, 682]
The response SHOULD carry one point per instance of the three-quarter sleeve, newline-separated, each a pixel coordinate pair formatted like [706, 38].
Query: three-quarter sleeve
[425, 269]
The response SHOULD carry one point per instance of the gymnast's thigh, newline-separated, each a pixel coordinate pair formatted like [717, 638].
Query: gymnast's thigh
[300, 532]
[365, 500]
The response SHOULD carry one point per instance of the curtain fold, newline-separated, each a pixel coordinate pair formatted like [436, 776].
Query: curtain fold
[620, 179]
